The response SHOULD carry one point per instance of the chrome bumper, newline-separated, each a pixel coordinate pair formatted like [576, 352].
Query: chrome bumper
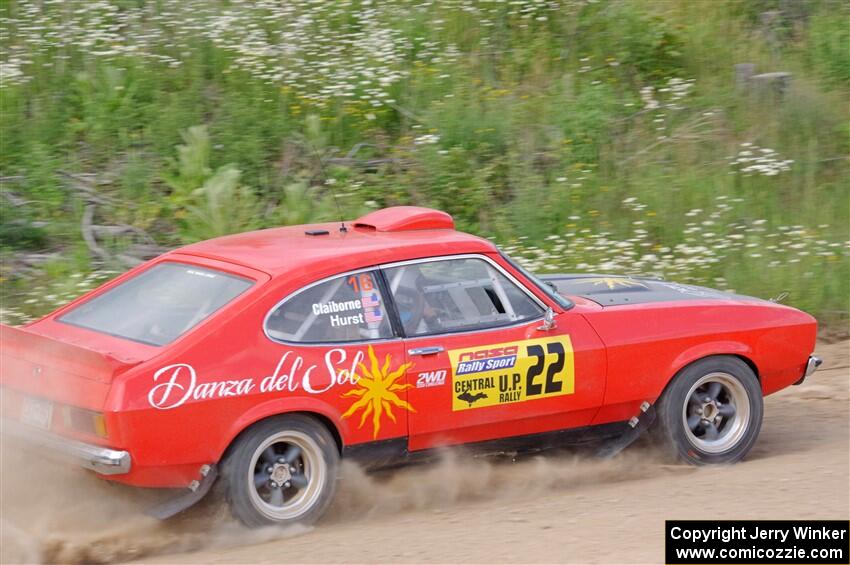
[812, 365]
[94, 457]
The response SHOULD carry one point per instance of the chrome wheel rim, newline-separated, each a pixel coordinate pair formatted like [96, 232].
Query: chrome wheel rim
[286, 475]
[716, 414]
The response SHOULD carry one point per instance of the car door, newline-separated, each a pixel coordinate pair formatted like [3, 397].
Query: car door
[481, 364]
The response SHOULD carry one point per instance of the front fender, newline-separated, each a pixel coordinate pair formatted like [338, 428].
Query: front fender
[706, 349]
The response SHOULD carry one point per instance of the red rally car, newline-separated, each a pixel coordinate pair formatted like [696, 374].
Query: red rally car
[261, 359]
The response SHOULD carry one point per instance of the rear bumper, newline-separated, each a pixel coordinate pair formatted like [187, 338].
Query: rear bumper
[99, 459]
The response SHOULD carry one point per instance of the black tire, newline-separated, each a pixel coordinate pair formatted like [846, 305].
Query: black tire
[301, 455]
[725, 396]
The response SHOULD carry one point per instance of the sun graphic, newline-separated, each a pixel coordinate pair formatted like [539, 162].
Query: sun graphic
[377, 390]
[614, 282]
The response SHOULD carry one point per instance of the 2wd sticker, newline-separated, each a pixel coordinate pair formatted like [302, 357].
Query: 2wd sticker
[505, 373]
[431, 378]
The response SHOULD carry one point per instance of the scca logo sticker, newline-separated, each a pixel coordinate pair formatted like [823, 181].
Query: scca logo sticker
[505, 373]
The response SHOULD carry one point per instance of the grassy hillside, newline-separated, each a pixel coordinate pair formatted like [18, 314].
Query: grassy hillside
[582, 135]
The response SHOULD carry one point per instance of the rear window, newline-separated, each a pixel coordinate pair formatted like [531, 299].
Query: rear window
[160, 304]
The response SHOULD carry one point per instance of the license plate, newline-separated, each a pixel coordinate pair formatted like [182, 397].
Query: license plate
[37, 412]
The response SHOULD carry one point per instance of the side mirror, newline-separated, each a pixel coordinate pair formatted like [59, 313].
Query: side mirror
[548, 321]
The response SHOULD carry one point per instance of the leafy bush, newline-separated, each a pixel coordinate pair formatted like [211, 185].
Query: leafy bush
[209, 203]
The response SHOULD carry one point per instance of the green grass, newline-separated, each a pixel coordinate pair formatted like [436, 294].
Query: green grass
[532, 123]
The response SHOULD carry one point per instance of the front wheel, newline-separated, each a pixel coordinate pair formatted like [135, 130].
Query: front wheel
[281, 471]
[712, 411]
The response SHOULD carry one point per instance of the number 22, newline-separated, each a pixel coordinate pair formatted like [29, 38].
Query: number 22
[552, 386]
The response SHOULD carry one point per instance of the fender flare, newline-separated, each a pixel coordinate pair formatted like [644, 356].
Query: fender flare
[278, 406]
[710, 349]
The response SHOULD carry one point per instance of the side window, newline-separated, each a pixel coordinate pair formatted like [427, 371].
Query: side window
[456, 295]
[346, 308]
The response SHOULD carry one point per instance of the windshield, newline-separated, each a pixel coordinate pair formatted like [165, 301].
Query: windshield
[160, 304]
[564, 302]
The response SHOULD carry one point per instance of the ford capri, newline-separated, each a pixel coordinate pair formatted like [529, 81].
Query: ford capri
[255, 362]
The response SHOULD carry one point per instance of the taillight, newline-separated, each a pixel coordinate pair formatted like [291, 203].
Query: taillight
[86, 421]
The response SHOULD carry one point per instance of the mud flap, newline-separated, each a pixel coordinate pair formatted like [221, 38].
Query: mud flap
[636, 427]
[193, 494]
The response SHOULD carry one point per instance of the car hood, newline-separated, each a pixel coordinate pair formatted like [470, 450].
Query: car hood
[616, 290]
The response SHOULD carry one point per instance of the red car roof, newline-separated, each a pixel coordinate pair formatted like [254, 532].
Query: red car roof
[391, 234]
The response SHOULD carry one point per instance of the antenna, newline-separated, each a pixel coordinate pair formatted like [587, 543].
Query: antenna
[342, 227]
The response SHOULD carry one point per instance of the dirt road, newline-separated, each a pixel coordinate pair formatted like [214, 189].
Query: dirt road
[541, 509]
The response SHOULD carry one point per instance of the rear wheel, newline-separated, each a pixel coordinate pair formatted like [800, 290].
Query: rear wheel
[712, 411]
[282, 471]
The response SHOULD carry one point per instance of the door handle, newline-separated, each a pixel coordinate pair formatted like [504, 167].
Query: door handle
[430, 350]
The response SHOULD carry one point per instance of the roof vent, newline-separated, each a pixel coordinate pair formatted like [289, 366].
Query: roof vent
[405, 218]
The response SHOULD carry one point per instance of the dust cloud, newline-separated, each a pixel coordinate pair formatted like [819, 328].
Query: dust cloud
[458, 477]
[55, 513]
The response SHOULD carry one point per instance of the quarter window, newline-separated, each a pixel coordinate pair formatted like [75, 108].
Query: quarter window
[456, 295]
[345, 308]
